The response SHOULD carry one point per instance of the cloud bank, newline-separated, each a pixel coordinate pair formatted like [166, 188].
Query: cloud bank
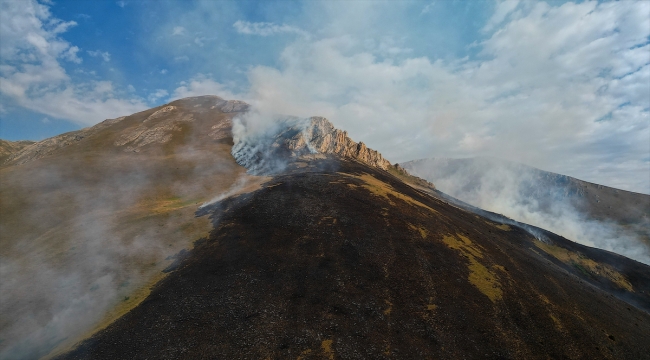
[32, 70]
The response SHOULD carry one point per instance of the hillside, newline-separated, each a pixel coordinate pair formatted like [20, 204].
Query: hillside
[337, 259]
[179, 232]
[9, 147]
[89, 219]
[620, 219]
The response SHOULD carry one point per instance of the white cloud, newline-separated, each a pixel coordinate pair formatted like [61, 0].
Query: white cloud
[121, 3]
[265, 28]
[502, 10]
[104, 54]
[550, 72]
[32, 77]
[157, 95]
[203, 85]
[181, 58]
[178, 30]
[163, 71]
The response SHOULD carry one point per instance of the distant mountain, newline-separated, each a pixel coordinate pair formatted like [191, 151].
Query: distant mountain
[555, 202]
[179, 232]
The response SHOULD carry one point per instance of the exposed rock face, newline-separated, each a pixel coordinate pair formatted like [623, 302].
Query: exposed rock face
[293, 137]
[319, 135]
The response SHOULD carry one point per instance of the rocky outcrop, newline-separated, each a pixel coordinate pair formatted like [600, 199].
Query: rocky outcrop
[291, 138]
[320, 136]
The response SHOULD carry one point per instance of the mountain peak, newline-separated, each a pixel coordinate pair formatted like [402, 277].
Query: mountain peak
[291, 138]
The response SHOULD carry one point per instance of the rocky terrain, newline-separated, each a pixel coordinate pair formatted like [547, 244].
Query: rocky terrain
[294, 137]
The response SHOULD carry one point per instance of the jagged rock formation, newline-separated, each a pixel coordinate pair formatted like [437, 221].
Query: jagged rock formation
[319, 135]
[292, 138]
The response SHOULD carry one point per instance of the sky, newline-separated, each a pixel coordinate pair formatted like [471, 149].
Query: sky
[561, 86]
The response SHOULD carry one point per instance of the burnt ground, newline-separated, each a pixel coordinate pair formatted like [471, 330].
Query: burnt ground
[340, 260]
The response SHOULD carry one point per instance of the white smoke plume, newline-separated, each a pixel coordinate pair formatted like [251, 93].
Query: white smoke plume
[533, 197]
[258, 138]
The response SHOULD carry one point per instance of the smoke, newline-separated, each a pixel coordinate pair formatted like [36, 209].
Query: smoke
[80, 239]
[62, 275]
[261, 138]
[545, 200]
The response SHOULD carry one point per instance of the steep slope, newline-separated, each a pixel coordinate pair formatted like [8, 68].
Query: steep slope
[337, 259]
[621, 219]
[89, 219]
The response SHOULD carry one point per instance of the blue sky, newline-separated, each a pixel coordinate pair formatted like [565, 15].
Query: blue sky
[561, 86]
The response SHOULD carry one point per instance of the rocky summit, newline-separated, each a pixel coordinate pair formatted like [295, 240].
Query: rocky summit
[289, 138]
[188, 232]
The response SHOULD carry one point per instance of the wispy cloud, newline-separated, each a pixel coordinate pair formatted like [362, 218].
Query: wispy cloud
[203, 85]
[178, 30]
[157, 95]
[104, 54]
[31, 75]
[265, 28]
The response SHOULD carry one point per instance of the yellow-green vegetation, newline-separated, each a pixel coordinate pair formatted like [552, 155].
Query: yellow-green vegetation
[389, 308]
[479, 275]
[419, 229]
[326, 345]
[303, 354]
[585, 264]
[327, 220]
[549, 305]
[384, 190]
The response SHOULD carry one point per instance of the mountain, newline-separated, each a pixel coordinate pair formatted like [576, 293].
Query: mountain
[152, 227]
[597, 215]
[9, 147]
[90, 218]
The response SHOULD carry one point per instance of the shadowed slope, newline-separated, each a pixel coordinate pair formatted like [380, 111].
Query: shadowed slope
[89, 219]
[336, 259]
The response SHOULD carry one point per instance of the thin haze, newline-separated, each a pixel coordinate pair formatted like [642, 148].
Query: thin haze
[561, 86]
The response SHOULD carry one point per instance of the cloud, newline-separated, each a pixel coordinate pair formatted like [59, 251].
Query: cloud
[157, 95]
[534, 94]
[32, 77]
[104, 54]
[178, 30]
[427, 8]
[121, 3]
[265, 28]
[502, 10]
[203, 85]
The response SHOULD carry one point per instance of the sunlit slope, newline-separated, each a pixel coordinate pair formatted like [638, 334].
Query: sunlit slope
[89, 219]
[10, 147]
[336, 259]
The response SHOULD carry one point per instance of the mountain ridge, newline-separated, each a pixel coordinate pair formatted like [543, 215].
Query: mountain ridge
[330, 256]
